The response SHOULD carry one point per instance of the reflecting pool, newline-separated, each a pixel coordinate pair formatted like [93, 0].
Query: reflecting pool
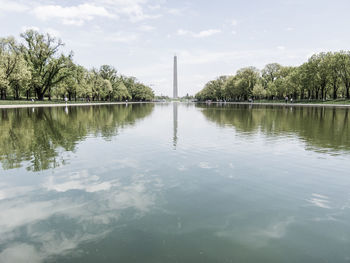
[175, 183]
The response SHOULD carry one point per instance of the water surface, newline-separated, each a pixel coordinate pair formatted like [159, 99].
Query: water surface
[175, 183]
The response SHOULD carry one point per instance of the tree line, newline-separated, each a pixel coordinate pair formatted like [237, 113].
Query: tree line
[38, 69]
[324, 76]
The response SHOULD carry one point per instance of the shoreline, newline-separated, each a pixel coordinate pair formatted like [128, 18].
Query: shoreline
[38, 105]
[282, 104]
[14, 106]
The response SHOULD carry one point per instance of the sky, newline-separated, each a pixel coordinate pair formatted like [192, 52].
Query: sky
[211, 38]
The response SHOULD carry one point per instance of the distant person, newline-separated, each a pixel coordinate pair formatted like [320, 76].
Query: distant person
[66, 99]
[291, 100]
[286, 98]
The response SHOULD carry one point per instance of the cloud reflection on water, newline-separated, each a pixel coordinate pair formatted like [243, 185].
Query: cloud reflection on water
[259, 234]
[87, 203]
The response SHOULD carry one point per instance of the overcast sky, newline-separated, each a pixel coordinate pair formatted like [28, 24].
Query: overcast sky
[211, 38]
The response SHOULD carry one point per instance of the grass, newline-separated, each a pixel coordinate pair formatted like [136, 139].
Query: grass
[21, 102]
[338, 101]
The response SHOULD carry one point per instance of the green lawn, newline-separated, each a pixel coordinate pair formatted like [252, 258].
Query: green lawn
[338, 101]
[18, 102]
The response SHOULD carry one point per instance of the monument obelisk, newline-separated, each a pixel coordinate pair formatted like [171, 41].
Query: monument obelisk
[175, 96]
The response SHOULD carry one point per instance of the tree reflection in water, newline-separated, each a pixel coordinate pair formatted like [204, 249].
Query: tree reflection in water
[37, 136]
[322, 128]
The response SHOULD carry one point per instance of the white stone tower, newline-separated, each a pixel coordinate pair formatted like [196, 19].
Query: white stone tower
[175, 95]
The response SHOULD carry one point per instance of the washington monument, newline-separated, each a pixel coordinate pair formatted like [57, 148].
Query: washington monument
[175, 78]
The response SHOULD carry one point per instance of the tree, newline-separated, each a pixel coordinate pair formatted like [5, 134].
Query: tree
[344, 64]
[14, 71]
[108, 72]
[259, 91]
[106, 89]
[38, 66]
[247, 78]
[270, 72]
[137, 91]
[324, 74]
[334, 72]
[282, 85]
[46, 65]
[95, 83]
[209, 91]
[3, 83]
[321, 72]
[70, 84]
[231, 92]
[120, 92]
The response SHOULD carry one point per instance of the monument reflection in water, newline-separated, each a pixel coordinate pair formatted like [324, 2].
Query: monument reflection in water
[175, 183]
[175, 104]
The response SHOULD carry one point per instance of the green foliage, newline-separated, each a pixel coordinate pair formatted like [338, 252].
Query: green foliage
[48, 68]
[323, 76]
[38, 68]
[137, 91]
[270, 72]
[14, 71]
[259, 91]
[214, 90]
[120, 92]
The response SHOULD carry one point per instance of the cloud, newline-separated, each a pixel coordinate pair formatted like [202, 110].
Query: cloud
[174, 11]
[7, 191]
[78, 181]
[201, 34]
[257, 235]
[94, 213]
[122, 37]
[234, 22]
[276, 230]
[207, 33]
[21, 213]
[319, 201]
[132, 9]
[48, 244]
[78, 15]
[154, 7]
[72, 15]
[11, 6]
[147, 28]
[133, 196]
[25, 28]
[261, 56]
[182, 32]
[205, 165]
[53, 32]
[20, 253]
